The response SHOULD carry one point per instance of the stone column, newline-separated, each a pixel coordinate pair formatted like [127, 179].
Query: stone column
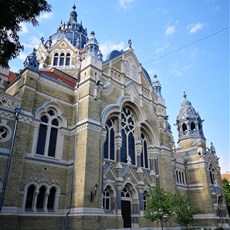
[34, 208]
[140, 188]
[119, 184]
[138, 147]
[46, 201]
[118, 143]
[134, 215]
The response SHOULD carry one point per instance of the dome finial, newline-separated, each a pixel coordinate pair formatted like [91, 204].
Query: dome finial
[130, 43]
[73, 14]
[185, 95]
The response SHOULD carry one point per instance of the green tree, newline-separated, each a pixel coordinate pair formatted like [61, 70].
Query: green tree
[12, 13]
[159, 205]
[226, 188]
[183, 208]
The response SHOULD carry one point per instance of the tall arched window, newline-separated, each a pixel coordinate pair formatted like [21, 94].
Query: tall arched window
[107, 199]
[193, 127]
[48, 132]
[145, 200]
[41, 198]
[67, 60]
[55, 60]
[184, 128]
[128, 142]
[109, 145]
[51, 199]
[212, 174]
[144, 154]
[62, 58]
[177, 176]
[30, 197]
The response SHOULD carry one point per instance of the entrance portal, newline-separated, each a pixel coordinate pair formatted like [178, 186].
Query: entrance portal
[126, 213]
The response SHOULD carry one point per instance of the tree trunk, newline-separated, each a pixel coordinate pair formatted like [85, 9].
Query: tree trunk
[161, 225]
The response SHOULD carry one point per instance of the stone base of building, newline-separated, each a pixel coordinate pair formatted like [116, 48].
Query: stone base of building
[42, 221]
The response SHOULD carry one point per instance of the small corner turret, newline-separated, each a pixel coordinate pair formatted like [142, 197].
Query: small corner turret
[31, 61]
[189, 124]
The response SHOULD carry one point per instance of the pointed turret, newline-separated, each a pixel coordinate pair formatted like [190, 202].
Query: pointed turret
[92, 47]
[189, 123]
[31, 61]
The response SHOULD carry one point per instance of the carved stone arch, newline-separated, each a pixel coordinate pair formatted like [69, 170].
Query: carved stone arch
[111, 188]
[151, 134]
[51, 104]
[115, 109]
[131, 188]
[135, 107]
[109, 111]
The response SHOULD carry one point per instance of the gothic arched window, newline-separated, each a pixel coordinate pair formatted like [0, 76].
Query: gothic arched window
[41, 198]
[109, 145]
[128, 142]
[51, 199]
[67, 60]
[144, 154]
[30, 197]
[193, 127]
[107, 199]
[48, 132]
[62, 58]
[184, 128]
[145, 200]
[55, 60]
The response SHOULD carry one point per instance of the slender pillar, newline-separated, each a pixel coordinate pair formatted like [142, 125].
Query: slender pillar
[118, 142]
[138, 146]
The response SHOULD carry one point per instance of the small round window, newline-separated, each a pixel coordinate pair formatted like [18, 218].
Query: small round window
[4, 133]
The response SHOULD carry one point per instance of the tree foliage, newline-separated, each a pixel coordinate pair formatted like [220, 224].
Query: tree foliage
[12, 13]
[159, 205]
[226, 188]
[183, 208]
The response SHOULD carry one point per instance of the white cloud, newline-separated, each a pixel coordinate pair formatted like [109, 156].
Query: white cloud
[179, 69]
[24, 28]
[193, 28]
[109, 46]
[33, 42]
[124, 4]
[45, 16]
[161, 11]
[22, 56]
[170, 30]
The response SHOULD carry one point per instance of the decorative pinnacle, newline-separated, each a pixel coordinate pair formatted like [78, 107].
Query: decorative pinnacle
[185, 95]
[74, 7]
[130, 43]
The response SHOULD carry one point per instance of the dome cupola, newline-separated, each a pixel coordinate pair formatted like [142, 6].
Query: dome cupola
[189, 123]
[72, 30]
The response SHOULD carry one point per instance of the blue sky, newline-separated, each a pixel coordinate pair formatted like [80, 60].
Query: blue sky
[186, 43]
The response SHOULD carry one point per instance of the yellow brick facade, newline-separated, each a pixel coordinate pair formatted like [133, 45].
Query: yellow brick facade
[103, 116]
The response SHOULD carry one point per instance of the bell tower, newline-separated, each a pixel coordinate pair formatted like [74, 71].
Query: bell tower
[189, 126]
